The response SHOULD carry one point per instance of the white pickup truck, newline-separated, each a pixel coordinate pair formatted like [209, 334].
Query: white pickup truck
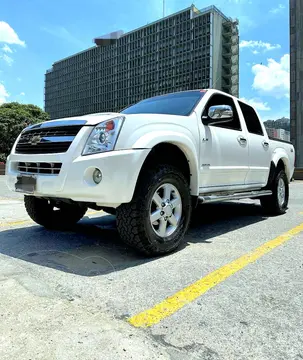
[150, 164]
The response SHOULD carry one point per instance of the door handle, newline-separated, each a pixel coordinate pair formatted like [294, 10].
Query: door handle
[265, 144]
[242, 140]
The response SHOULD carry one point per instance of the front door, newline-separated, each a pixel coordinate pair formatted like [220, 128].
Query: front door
[224, 150]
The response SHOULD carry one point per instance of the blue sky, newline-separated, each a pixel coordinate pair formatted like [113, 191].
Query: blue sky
[34, 34]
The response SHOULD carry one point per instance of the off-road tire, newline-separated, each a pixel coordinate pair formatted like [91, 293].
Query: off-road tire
[133, 219]
[43, 213]
[271, 204]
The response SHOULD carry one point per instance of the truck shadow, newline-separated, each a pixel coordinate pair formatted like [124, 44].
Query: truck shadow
[93, 246]
[213, 220]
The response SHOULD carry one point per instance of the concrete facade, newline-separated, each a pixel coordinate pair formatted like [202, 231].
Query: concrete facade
[191, 49]
[296, 81]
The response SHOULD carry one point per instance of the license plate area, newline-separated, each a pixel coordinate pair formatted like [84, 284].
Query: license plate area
[26, 184]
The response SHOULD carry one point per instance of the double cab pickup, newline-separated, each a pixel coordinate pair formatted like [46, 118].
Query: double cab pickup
[151, 164]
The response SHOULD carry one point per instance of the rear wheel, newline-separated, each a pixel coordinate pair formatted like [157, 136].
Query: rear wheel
[276, 204]
[156, 219]
[52, 214]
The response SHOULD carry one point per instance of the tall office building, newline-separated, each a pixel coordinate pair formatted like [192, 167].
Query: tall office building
[296, 82]
[191, 49]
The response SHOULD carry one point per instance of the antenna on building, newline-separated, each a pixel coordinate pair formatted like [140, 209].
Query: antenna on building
[163, 8]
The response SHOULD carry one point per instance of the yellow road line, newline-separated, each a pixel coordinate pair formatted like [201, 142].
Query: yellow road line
[14, 223]
[175, 302]
[23, 222]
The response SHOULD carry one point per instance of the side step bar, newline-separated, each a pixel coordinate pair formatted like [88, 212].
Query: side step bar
[236, 196]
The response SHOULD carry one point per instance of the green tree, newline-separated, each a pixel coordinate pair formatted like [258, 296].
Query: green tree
[283, 123]
[14, 117]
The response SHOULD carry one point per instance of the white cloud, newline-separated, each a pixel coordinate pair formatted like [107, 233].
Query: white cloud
[8, 35]
[22, 94]
[253, 44]
[255, 52]
[7, 59]
[272, 79]
[257, 104]
[7, 49]
[278, 9]
[3, 94]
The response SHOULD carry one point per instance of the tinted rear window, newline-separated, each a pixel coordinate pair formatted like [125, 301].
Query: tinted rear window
[251, 119]
[181, 103]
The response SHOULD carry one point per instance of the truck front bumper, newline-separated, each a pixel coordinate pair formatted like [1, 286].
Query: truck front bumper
[119, 169]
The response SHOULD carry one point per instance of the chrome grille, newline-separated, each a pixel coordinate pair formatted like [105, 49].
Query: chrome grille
[47, 140]
[39, 168]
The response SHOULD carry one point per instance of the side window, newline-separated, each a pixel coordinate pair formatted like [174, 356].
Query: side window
[251, 119]
[219, 99]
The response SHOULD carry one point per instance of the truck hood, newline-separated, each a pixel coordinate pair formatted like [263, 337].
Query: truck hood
[88, 120]
[94, 119]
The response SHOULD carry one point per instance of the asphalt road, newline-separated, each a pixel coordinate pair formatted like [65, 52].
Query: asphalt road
[70, 295]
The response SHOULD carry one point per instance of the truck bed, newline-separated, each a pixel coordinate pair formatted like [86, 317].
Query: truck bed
[283, 141]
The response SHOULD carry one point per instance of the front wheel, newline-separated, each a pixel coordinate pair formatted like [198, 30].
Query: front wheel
[276, 204]
[52, 214]
[156, 219]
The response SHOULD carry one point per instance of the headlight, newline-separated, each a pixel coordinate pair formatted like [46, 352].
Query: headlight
[104, 136]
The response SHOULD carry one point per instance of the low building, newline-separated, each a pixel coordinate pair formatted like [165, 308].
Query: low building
[272, 132]
[283, 134]
[280, 134]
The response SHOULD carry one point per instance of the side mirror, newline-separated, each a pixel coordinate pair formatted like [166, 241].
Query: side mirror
[218, 114]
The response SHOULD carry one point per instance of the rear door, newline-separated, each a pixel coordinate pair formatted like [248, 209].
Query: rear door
[259, 147]
[223, 150]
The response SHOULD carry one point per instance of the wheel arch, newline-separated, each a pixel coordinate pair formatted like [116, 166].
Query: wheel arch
[281, 161]
[175, 153]
[278, 163]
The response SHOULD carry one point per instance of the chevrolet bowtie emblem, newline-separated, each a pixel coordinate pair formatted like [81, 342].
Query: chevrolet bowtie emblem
[35, 140]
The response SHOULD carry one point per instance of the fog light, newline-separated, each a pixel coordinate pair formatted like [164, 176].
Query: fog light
[97, 176]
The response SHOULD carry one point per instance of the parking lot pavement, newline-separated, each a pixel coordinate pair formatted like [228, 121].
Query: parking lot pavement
[79, 289]
[11, 204]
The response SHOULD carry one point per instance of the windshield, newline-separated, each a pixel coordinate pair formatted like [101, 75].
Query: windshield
[181, 103]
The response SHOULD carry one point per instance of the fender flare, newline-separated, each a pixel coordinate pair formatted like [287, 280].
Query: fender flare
[273, 169]
[183, 142]
[280, 154]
